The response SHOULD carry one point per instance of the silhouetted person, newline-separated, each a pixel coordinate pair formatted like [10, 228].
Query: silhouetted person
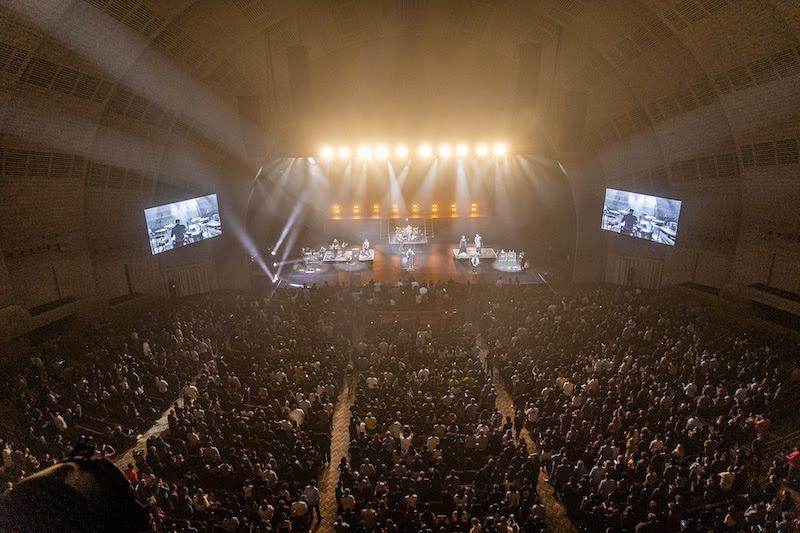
[80, 493]
[629, 222]
[179, 233]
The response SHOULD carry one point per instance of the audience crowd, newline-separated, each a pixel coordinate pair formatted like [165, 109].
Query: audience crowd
[645, 411]
[110, 382]
[429, 451]
[650, 412]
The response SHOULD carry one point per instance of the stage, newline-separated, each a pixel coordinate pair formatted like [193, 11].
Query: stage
[432, 262]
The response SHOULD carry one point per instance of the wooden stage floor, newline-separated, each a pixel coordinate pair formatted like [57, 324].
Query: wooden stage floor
[433, 262]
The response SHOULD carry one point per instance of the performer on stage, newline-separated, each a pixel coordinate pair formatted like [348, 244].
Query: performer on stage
[475, 261]
[410, 258]
[365, 247]
[478, 240]
[462, 245]
[629, 223]
[179, 233]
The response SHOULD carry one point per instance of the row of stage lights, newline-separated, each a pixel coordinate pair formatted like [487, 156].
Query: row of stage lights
[336, 210]
[425, 151]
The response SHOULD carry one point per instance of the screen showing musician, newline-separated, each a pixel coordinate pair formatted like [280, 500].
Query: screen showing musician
[182, 223]
[642, 216]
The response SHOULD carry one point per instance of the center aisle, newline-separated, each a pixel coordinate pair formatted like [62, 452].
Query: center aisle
[340, 443]
[554, 512]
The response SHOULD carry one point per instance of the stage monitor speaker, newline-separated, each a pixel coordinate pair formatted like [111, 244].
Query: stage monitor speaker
[530, 64]
[251, 123]
[573, 120]
[299, 79]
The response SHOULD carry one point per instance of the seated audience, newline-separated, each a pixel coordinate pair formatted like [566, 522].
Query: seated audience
[643, 410]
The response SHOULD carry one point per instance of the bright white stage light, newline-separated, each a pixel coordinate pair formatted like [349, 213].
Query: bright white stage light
[482, 150]
[364, 152]
[274, 265]
[445, 150]
[499, 149]
[401, 151]
[381, 152]
[327, 152]
[425, 151]
[344, 152]
[462, 150]
[273, 252]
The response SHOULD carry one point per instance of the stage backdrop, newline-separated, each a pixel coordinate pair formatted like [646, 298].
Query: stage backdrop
[514, 202]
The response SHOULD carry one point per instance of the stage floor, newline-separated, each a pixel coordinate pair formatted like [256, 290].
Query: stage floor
[433, 262]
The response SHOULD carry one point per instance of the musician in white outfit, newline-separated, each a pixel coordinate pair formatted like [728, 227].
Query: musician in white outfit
[410, 257]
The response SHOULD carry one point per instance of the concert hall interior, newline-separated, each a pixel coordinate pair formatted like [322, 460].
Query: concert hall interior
[388, 266]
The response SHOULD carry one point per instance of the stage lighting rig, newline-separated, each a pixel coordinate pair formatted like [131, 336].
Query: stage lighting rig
[381, 152]
[364, 152]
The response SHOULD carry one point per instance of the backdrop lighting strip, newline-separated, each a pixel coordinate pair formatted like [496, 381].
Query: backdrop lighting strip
[423, 150]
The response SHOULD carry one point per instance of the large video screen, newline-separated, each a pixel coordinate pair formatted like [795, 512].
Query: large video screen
[643, 216]
[182, 223]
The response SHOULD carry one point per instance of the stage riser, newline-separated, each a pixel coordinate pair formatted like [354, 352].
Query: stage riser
[445, 230]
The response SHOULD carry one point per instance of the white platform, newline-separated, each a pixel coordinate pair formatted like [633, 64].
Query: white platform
[422, 240]
[348, 256]
[486, 253]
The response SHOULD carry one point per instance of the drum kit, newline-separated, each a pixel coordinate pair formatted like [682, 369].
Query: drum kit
[404, 234]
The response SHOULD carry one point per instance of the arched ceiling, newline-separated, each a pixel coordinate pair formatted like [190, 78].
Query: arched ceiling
[114, 102]
[218, 46]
